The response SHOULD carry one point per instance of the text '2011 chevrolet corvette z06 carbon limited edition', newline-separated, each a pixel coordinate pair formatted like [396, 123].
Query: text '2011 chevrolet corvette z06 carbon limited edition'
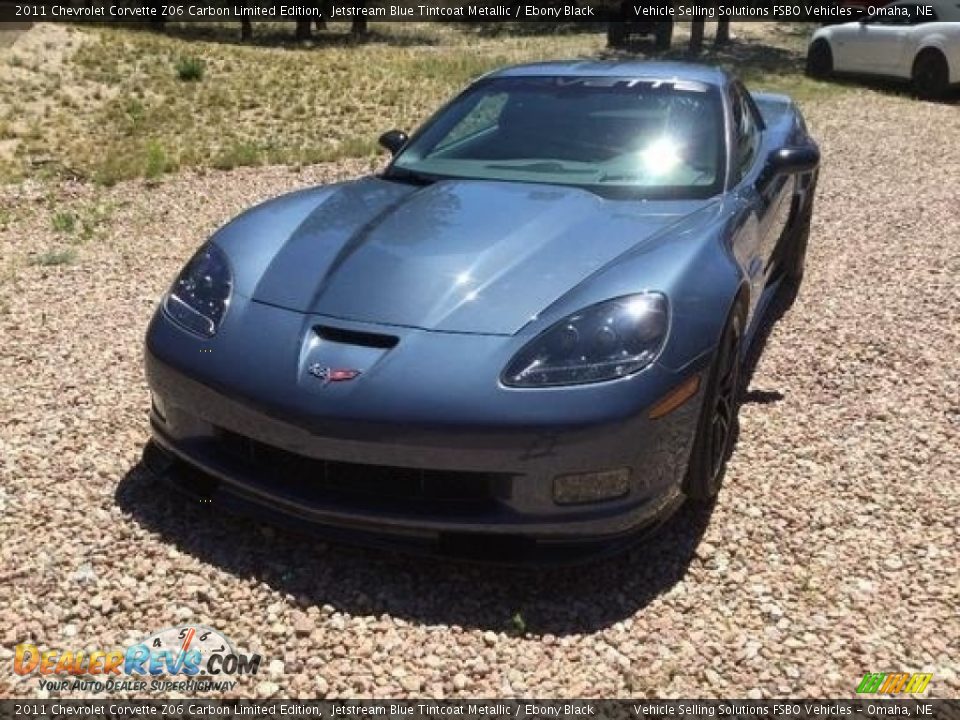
[526, 333]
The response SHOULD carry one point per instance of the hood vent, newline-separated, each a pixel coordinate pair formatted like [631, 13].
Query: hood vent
[354, 337]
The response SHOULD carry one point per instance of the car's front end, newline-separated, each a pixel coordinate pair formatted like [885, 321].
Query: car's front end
[381, 431]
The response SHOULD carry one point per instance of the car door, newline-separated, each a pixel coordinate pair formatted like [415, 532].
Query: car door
[874, 46]
[767, 200]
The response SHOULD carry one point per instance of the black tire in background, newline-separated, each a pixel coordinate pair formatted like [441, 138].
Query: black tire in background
[820, 60]
[718, 415]
[931, 75]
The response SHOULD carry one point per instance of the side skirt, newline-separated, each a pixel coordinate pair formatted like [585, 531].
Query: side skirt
[767, 297]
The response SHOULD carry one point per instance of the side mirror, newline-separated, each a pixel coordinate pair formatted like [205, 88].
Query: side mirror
[789, 160]
[393, 140]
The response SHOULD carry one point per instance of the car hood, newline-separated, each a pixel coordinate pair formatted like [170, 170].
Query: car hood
[453, 256]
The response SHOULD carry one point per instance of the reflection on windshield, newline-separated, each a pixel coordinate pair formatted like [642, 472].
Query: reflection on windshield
[652, 136]
[661, 156]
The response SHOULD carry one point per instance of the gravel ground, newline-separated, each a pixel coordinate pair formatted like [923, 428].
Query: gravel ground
[831, 552]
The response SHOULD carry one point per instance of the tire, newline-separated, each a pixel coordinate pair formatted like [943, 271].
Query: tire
[931, 75]
[717, 424]
[664, 34]
[820, 60]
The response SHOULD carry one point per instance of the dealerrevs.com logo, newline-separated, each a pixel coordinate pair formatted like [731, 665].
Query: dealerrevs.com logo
[189, 651]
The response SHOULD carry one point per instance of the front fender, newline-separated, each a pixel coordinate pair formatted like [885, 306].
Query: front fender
[692, 264]
[701, 301]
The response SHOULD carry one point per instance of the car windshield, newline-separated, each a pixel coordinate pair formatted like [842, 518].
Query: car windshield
[648, 138]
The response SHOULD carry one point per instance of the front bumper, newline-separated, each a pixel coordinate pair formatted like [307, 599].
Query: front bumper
[411, 482]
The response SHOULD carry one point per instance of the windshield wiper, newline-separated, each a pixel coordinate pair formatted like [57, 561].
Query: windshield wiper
[620, 177]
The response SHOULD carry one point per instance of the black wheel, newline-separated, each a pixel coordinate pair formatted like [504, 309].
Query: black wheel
[819, 60]
[718, 417]
[664, 34]
[931, 75]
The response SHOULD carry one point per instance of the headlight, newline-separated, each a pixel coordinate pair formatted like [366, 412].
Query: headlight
[603, 342]
[201, 293]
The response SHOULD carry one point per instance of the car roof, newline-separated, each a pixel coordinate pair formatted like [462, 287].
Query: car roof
[630, 68]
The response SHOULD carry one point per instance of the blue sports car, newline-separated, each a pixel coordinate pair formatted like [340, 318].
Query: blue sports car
[525, 335]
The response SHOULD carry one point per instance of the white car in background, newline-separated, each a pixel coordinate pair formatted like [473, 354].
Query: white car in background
[907, 40]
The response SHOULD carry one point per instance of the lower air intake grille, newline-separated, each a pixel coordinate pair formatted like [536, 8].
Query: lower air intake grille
[370, 484]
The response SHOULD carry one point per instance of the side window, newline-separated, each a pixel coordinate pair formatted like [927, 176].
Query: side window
[746, 133]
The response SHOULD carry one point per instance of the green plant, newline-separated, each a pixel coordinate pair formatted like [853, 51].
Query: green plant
[135, 112]
[517, 623]
[157, 161]
[190, 69]
[64, 222]
[55, 257]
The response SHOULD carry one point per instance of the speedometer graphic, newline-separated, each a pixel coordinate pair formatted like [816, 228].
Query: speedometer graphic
[190, 650]
[189, 637]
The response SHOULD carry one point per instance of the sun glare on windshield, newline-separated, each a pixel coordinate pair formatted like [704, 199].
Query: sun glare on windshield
[661, 156]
